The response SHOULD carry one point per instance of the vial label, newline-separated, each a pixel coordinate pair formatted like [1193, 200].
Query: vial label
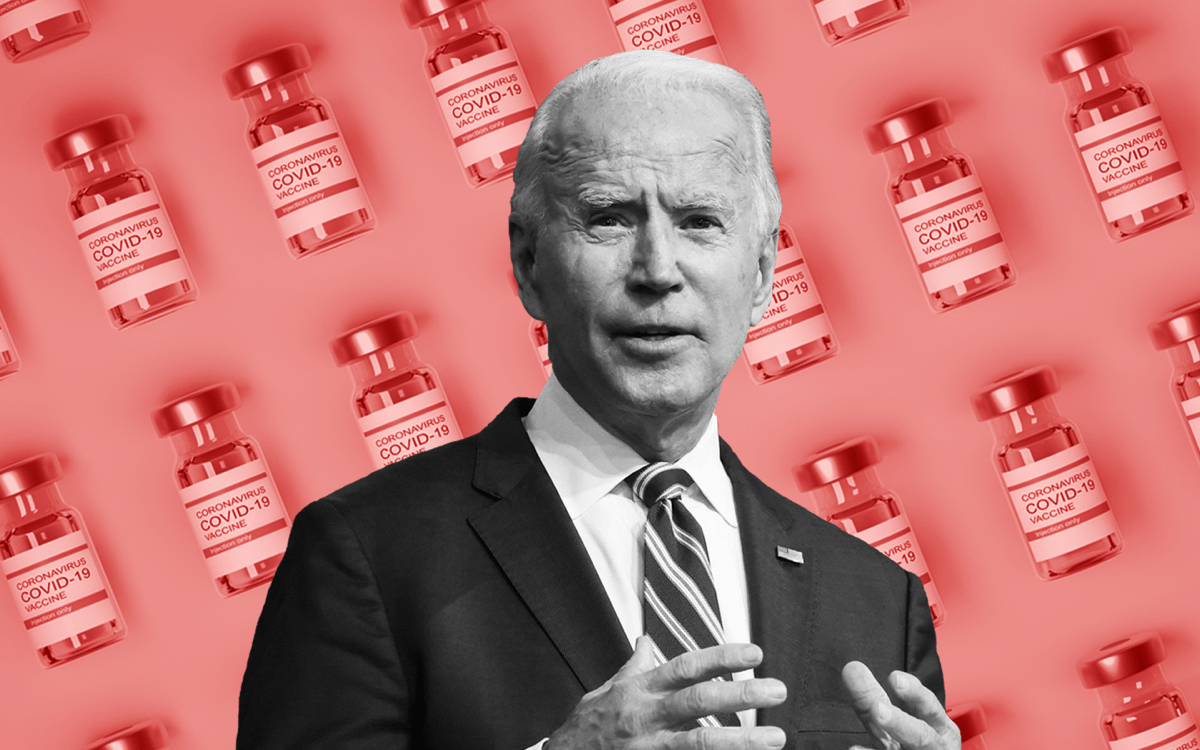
[17, 15]
[1132, 162]
[237, 517]
[1060, 503]
[833, 10]
[488, 105]
[1179, 733]
[59, 589]
[678, 26]
[796, 316]
[1191, 412]
[895, 539]
[309, 178]
[130, 248]
[412, 426]
[952, 233]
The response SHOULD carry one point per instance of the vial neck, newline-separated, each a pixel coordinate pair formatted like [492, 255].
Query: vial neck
[454, 23]
[385, 363]
[100, 165]
[1025, 421]
[1134, 689]
[277, 94]
[1097, 80]
[917, 152]
[27, 507]
[206, 435]
[1186, 356]
[858, 488]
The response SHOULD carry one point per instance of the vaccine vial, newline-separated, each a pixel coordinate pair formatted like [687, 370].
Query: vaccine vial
[680, 26]
[843, 480]
[541, 344]
[230, 499]
[9, 361]
[121, 224]
[943, 212]
[398, 399]
[1044, 466]
[794, 332]
[301, 157]
[1179, 332]
[32, 28]
[971, 722]
[1119, 135]
[843, 20]
[480, 87]
[148, 735]
[47, 557]
[1140, 709]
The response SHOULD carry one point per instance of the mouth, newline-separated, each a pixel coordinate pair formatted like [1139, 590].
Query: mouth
[652, 341]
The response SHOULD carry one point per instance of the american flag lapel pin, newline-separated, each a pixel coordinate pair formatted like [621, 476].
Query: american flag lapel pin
[791, 555]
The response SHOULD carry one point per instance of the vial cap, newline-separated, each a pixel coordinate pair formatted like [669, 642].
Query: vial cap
[86, 139]
[373, 336]
[1013, 392]
[149, 735]
[1179, 327]
[969, 718]
[248, 75]
[420, 12]
[836, 462]
[907, 124]
[195, 408]
[32, 472]
[1121, 659]
[1092, 50]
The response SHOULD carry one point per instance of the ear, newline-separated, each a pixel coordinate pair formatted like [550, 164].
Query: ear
[522, 249]
[765, 259]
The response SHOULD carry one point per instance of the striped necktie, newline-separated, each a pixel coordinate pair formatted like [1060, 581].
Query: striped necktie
[679, 601]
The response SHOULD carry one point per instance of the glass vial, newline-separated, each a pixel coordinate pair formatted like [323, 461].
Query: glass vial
[1179, 332]
[32, 28]
[301, 157]
[971, 723]
[537, 334]
[121, 225]
[1044, 466]
[795, 331]
[148, 735]
[1119, 135]
[943, 212]
[480, 87]
[9, 361]
[231, 502]
[680, 26]
[1140, 709]
[46, 554]
[843, 20]
[398, 399]
[843, 480]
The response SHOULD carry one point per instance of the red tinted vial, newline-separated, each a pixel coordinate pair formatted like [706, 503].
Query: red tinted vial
[148, 735]
[843, 20]
[47, 557]
[794, 332]
[232, 505]
[971, 723]
[1140, 709]
[1119, 135]
[680, 26]
[943, 212]
[31, 28]
[843, 480]
[9, 361]
[121, 224]
[398, 399]
[480, 87]
[1053, 486]
[301, 157]
[541, 344]
[1179, 333]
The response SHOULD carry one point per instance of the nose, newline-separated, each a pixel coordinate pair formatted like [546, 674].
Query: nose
[655, 260]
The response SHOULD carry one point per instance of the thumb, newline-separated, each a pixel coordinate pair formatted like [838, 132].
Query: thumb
[641, 661]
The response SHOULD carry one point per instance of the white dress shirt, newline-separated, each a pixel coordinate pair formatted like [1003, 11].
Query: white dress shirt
[589, 465]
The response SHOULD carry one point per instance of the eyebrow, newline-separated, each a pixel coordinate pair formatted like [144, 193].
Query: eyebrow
[600, 198]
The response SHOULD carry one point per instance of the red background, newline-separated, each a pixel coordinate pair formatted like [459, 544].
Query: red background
[1081, 304]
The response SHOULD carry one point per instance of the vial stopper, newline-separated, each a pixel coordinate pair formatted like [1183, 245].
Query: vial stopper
[907, 124]
[149, 735]
[195, 407]
[836, 462]
[1092, 50]
[86, 139]
[1013, 392]
[372, 337]
[1121, 659]
[249, 75]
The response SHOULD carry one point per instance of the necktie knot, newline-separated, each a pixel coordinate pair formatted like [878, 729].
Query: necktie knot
[658, 481]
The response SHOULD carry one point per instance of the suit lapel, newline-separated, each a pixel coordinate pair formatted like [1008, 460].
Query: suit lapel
[533, 540]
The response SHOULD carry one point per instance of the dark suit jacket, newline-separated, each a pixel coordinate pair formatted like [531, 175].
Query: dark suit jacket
[446, 601]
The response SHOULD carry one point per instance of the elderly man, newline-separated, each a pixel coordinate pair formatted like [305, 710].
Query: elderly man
[591, 569]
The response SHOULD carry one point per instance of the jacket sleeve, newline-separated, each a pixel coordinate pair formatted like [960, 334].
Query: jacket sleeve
[323, 669]
[921, 657]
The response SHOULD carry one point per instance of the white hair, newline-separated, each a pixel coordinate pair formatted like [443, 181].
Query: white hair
[643, 73]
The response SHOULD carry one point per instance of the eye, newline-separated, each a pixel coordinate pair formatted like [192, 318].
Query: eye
[701, 222]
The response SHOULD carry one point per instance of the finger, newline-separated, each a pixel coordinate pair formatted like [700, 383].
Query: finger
[869, 701]
[692, 667]
[641, 661]
[920, 701]
[718, 697]
[726, 738]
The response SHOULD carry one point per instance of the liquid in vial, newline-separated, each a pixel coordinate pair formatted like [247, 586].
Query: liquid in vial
[31, 28]
[1179, 333]
[844, 20]
[680, 26]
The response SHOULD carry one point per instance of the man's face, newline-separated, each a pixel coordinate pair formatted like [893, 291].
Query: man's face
[653, 261]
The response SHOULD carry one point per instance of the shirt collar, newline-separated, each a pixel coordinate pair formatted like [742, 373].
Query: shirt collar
[586, 462]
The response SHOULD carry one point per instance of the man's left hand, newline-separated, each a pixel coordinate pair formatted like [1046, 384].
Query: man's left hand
[925, 725]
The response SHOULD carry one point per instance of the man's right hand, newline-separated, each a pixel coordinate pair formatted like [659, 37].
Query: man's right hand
[643, 706]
